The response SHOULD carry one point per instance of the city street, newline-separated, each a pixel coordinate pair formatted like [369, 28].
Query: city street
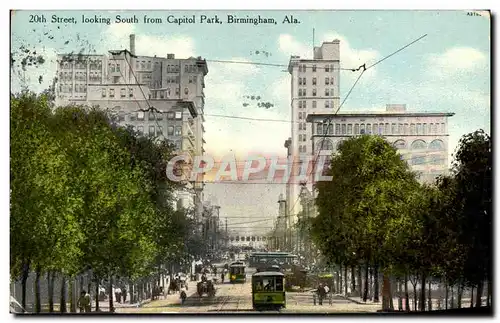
[237, 298]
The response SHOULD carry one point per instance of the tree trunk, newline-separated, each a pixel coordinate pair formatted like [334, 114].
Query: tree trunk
[346, 283]
[490, 291]
[415, 297]
[407, 295]
[446, 295]
[97, 293]
[429, 296]
[376, 291]
[38, 306]
[422, 293]
[24, 279]
[111, 308]
[340, 280]
[472, 297]
[365, 293]
[62, 303]
[50, 290]
[479, 294]
[71, 287]
[339, 287]
[460, 294]
[386, 293]
[360, 280]
[353, 281]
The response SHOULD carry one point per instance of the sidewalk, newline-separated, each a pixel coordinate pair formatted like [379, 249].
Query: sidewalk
[150, 306]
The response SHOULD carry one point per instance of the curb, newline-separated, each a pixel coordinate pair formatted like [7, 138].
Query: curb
[353, 300]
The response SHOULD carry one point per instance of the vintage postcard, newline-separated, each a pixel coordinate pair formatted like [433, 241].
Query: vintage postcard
[250, 162]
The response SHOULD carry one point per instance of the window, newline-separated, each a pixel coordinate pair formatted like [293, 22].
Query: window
[337, 128]
[327, 104]
[111, 93]
[356, 128]
[418, 160]
[300, 149]
[362, 129]
[122, 93]
[177, 91]
[400, 144]
[330, 129]
[151, 115]
[331, 81]
[300, 126]
[344, 128]
[412, 129]
[178, 131]
[314, 68]
[327, 81]
[393, 129]
[300, 137]
[419, 128]
[314, 104]
[116, 79]
[303, 81]
[103, 91]
[178, 115]
[442, 128]
[407, 129]
[162, 94]
[368, 128]
[186, 91]
[304, 126]
[170, 130]
[436, 145]
[424, 128]
[324, 144]
[387, 129]
[140, 130]
[418, 145]
[304, 137]
[327, 68]
[118, 67]
[160, 131]
[300, 80]
[314, 92]
[140, 115]
[380, 128]
[304, 104]
[331, 92]
[300, 104]
[349, 129]
[325, 129]
[327, 92]
[314, 81]
[131, 93]
[151, 130]
[437, 160]
[300, 115]
[171, 115]
[400, 128]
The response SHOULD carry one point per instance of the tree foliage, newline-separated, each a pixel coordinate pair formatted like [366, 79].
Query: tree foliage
[88, 194]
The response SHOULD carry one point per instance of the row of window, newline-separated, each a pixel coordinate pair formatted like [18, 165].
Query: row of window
[93, 65]
[302, 126]
[382, 129]
[151, 116]
[143, 65]
[253, 238]
[303, 68]
[328, 92]
[419, 144]
[165, 94]
[123, 93]
[158, 130]
[68, 88]
[328, 81]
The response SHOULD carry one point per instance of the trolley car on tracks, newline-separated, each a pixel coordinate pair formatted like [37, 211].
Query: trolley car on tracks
[268, 290]
[237, 273]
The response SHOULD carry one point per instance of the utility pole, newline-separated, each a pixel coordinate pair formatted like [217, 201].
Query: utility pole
[227, 237]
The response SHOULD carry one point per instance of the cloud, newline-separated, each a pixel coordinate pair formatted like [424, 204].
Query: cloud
[289, 46]
[457, 60]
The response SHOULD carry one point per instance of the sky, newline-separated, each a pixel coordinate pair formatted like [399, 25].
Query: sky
[446, 71]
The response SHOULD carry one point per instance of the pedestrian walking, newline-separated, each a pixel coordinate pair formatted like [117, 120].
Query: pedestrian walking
[84, 302]
[321, 294]
[183, 296]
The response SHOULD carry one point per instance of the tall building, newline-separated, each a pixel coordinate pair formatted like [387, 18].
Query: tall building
[124, 83]
[420, 137]
[315, 89]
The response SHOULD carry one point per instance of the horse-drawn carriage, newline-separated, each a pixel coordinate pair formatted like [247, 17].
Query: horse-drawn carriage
[206, 288]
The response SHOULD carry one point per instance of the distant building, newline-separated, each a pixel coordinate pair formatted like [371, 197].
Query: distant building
[420, 137]
[124, 83]
[315, 88]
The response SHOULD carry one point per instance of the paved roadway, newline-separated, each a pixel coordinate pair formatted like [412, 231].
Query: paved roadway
[237, 298]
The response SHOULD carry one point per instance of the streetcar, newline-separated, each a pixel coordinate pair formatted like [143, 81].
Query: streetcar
[237, 273]
[268, 290]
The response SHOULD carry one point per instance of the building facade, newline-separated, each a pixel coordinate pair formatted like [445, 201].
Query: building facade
[421, 138]
[315, 89]
[158, 96]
